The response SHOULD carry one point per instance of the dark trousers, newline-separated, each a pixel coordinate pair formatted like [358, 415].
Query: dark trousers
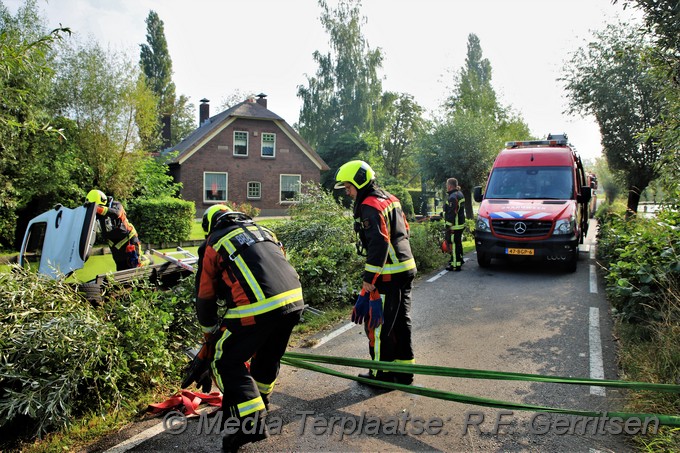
[456, 245]
[392, 342]
[128, 256]
[264, 345]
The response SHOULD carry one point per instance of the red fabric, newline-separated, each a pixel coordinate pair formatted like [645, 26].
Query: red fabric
[187, 402]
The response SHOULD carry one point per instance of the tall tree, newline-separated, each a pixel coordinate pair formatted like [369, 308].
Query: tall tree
[346, 89]
[28, 164]
[156, 64]
[611, 80]
[399, 122]
[106, 96]
[464, 143]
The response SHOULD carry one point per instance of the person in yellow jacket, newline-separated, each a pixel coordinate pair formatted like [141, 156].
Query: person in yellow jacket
[126, 249]
[389, 271]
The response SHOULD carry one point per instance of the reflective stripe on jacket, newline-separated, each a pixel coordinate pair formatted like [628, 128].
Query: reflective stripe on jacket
[249, 261]
[385, 235]
[454, 214]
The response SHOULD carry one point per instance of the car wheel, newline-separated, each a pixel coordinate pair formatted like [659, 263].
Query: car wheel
[483, 259]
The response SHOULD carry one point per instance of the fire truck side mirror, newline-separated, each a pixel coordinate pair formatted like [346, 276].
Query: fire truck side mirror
[584, 196]
[477, 193]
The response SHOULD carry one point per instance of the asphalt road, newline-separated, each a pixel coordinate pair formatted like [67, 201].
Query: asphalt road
[510, 317]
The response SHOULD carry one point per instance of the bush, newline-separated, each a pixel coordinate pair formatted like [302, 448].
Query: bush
[426, 239]
[405, 197]
[642, 258]
[162, 220]
[62, 357]
[319, 239]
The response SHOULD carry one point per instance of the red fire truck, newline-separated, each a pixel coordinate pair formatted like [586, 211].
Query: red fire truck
[535, 205]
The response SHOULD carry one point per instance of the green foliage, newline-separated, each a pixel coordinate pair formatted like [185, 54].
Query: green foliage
[54, 346]
[319, 240]
[643, 260]
[154, 58]
[62, 357]
[405, 197]
[153, 179]
[162, 220]
[346, 89]
[611, 79]
[103, 92]
[426, 239]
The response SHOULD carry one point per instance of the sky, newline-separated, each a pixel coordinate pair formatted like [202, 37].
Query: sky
[219, 47]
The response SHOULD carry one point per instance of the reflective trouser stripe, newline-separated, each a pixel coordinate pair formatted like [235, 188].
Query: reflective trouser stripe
[265, 389]
[248, 407]
[218, 356]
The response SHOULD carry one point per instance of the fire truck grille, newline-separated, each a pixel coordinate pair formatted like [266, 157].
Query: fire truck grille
[521, 228]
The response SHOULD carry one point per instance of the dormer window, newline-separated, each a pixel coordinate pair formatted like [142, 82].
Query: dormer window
[240, 143]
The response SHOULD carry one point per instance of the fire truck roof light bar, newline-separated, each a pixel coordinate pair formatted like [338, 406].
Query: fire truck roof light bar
[519, 144]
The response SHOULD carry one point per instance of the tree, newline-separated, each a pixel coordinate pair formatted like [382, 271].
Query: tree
[156, 64]
[400, 122]
[346, 89]
[611, 80]
[104, 93]
[464, 143]
[26, 50]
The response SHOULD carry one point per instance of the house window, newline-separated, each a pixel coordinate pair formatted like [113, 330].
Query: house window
[268, 145]
[254, 190]
[214, 186]
[290, 187]
[240, 143]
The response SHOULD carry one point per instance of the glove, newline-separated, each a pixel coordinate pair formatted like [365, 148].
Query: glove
[360, 310]
[198, 370]
[375, 310]
[101, 210]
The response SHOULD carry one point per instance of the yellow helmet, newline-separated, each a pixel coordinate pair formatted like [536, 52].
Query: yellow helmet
[356, 172]
[209, 215]
[96, 196]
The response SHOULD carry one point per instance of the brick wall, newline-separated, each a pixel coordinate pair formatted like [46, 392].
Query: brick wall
[217, 156]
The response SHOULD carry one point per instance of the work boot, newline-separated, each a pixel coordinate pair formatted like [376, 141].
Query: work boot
[265, 400]
[449, 268]
[251, 429]
[458, 269]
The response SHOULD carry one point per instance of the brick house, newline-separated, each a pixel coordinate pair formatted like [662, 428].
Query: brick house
[244, 154]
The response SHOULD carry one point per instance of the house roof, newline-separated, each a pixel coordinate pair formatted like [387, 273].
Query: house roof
[247, 109]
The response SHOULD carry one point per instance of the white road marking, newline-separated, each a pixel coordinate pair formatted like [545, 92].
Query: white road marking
[137, 439]
[596, 366]
[444, 272]
[334, 334]
[593, 279]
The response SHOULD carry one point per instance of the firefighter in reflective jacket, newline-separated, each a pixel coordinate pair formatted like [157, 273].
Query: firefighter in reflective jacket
[263, 304]
[454, 216]
[390, 269]
[126, 249]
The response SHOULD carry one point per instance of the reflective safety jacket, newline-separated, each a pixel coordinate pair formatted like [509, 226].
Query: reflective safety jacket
[261, 283]
[384, 233]
[115, 227]
[454, 212]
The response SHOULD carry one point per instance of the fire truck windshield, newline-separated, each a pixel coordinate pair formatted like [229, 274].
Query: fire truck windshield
[530, 183]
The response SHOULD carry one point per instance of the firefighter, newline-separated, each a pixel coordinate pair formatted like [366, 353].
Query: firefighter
[454, 218]
[245, 264]
[126, 249]
[390, 269]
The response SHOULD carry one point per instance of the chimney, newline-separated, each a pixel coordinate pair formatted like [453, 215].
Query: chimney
[262, 100]
[166, 133]
[203, 112]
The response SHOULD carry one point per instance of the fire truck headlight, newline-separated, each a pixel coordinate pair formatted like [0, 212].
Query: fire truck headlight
[482, 224]
[565, 226]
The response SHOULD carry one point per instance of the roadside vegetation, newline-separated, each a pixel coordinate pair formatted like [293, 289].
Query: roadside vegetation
[71, 370]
